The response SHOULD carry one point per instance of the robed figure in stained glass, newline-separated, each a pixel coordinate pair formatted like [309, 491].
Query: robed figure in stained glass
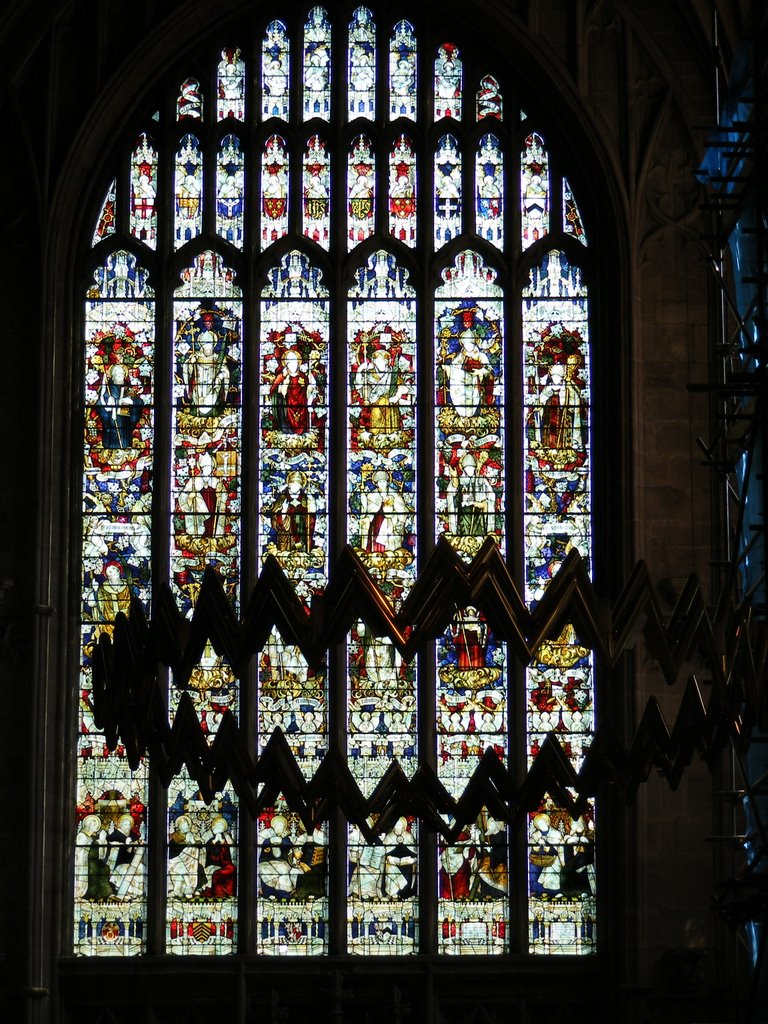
[204, 371]
[470, 377]
[118, 408]
[202, 499]
[386, 516]
[292, 393]
[562, 420]
[378, 383]
[471, 499]
[293, 515]
[560, 417]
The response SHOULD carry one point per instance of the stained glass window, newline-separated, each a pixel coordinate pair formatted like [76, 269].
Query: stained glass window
[292, 861]
[471, 665]
[110, 909]
[559, 682]
[202, 862]
[309, 365]
[572, 223]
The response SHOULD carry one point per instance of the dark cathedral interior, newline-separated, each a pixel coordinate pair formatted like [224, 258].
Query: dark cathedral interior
[658, 114]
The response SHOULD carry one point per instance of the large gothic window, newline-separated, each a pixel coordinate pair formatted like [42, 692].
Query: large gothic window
[336, 326]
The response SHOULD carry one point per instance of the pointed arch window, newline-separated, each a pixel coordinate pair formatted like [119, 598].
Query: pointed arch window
[293, 355]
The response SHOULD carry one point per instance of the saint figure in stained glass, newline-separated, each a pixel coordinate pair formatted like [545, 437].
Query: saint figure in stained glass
[230, 187]
[448, 75]
[468, 375]
[402, 72]
[316, 187]
[275, 72]
[317, 65]
[118, 408]
[230, 83]
[402, 191]
[361, 191]
[362, 65]
[144, 192]
[448, 190]
[274, 191]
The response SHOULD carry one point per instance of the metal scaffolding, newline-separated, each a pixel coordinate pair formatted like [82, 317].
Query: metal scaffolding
[734, 171]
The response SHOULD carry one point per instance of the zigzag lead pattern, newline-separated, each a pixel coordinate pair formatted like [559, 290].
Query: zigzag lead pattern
[129, 702]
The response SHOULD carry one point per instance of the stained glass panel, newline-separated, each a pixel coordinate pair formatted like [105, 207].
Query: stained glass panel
[469, 441]
[382, 905]
[448, 190]
[489, 191]
[190, 101]
[317, 65]
[230, 86]
[205, 531]
[473, 873]
[143, 215]
[402, 72]
[202, 871]
[534, 190]
[361, 194]
[316, 188]
[559, 683]
[205, 487]
[293, 428]
[110, 853]
[105, 225]
[572, 222]
[381, 438]
[471, 664]
[402, 191]
[381, 473]
[292, 867]
[361, 65]
[275, 72]
[294, 419]
[473, 886]
[110, 906]
[489, 102]
[274, 191]
[230, 190]
[448, 82]
[293, 698]
[188, 190]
